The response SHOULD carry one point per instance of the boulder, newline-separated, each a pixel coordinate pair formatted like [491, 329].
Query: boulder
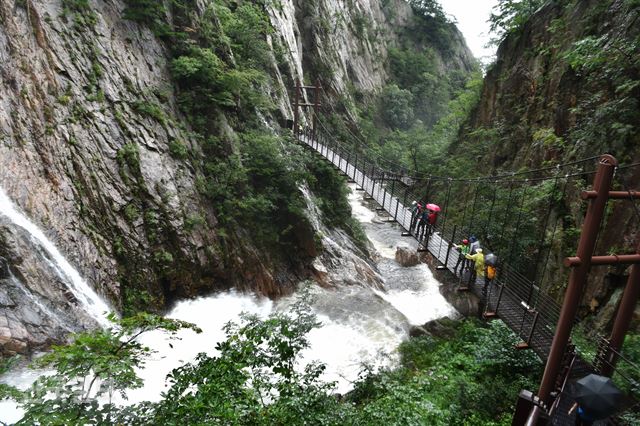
[442, 328]
[406, 256]
[465, 302]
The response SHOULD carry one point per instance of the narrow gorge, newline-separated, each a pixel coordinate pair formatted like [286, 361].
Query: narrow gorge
[174, 249]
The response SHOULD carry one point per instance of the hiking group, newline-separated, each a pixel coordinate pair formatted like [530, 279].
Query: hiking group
[423, 219]
[472, 259]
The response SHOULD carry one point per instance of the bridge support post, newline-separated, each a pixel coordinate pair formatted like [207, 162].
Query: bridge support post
[393, 187]
[622, 321]
[453, 238]
[578, 276]
[384, 191]
[494, 313]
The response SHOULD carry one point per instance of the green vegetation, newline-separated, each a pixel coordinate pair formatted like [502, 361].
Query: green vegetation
[431, 26]
[178, 149]
[331, 192]
[81, 11]
[251, 176]
[470, 379]
[97, 364]
[510, 15]
[150, 109]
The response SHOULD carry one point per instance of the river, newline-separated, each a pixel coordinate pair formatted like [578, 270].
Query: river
[362, 323]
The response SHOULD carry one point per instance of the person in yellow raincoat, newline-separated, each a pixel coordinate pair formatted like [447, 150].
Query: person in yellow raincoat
[478, 271]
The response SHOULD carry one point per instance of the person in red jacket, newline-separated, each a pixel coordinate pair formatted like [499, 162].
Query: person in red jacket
[432, 219]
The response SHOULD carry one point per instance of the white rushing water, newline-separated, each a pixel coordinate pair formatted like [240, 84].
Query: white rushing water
[360, 323]
[88, 298]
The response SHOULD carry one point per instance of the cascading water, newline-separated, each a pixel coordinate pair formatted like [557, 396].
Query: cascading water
[365, 313]
[87, 297]
[366, 310]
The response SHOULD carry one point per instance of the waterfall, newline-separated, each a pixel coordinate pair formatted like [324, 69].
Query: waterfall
[363, 319]
[95, 306]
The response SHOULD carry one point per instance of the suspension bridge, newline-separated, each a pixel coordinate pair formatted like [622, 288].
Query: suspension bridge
[522, 304]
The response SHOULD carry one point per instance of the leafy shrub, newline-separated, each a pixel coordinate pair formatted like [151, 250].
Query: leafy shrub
[178, 149]
[150, 109]
[129, 155]
[149, 12]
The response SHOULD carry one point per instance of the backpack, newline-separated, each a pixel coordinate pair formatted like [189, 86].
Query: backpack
[491, 272]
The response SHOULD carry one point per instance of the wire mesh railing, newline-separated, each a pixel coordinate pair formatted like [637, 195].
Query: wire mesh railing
[526, 309]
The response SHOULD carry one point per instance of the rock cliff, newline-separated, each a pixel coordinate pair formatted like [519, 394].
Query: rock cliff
[564, 87]
[98, 147]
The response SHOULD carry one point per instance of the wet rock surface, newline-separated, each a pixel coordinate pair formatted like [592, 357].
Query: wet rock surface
[36, 308]
[406, 256]
[441, 328]
[83, 160]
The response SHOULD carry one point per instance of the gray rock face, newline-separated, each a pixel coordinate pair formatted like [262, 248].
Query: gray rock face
[88, 118]
[36, 308]
[81, 157]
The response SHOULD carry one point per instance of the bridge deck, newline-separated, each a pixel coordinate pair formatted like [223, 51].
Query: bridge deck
[522, 306]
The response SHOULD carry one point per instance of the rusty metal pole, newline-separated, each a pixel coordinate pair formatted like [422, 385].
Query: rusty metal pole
[578, 276]
[296, 107]
[623, 319]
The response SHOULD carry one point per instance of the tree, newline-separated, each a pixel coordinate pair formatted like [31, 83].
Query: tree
[509, 15]
[395, 107]
[96, 365]
[429, 8]
[253, 380]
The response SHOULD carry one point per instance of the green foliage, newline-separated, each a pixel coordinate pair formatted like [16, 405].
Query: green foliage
[547, 139]
[207, 81]
[608, 116]
[470, 379]
[254, 378]
[429, 8]
[331, 192]
[431, 25]
[273, 201]
[97, 364]
[83, 14]
[193, 221]
[131, 212]
[510, 15]
[129, 155]
[150, 109]
[149, 12]
[246, 29]
[395, 107]
[417, 72]
[178, 149]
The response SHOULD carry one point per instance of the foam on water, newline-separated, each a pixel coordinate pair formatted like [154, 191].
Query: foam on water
[360, 324]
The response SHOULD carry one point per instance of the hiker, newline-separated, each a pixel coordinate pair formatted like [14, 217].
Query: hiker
[582, 417]
[478, 270]
[475, 244]
[489, 274]
[463, 250]
[415, 208]
[424, 219]
[431, 219]
[490, 262]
